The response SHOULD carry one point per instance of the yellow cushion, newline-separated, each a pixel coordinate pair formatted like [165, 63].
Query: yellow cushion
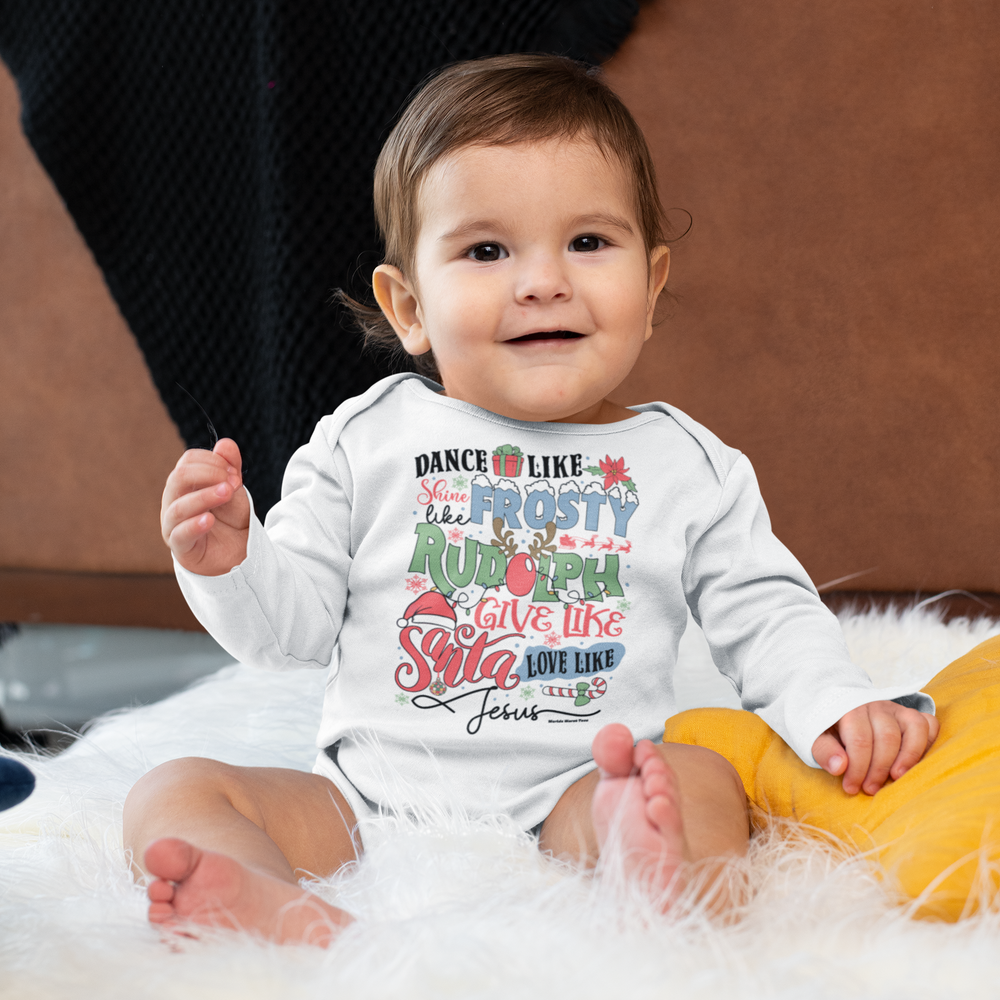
[931, 828]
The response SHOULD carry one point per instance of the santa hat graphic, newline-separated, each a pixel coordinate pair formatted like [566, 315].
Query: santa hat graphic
[430, 608]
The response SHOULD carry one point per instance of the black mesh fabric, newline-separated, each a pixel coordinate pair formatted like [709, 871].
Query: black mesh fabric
[217, 158]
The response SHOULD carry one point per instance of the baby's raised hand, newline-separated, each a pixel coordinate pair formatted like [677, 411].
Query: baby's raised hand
[873, 742]
[205, 515]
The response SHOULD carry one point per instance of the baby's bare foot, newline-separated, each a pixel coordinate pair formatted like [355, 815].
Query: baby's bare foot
[203, 887]
[636, 805]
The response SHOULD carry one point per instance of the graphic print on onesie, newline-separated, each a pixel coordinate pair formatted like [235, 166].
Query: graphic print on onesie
[516, 584]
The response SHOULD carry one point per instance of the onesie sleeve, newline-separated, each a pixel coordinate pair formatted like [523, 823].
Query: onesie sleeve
[769, 632]
[283, 606]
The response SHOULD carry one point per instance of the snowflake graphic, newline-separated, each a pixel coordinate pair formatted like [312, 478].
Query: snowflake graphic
[460, 482]
[455, 535]
[401, 698]
[527, 692]
[552, 640]
[415, 584]
[624, 605]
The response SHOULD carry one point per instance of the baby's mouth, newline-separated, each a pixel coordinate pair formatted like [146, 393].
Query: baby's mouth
[547, 335]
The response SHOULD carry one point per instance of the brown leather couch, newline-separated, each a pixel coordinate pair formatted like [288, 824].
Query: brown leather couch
[835, 311]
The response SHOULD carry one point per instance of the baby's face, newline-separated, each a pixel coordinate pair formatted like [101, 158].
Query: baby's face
[532, 283]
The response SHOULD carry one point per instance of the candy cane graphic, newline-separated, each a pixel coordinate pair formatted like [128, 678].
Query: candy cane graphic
[582, 693]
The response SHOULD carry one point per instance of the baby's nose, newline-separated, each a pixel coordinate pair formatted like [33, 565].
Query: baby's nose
[543, 281]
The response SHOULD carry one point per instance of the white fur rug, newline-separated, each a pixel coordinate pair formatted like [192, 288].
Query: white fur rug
[451, 908]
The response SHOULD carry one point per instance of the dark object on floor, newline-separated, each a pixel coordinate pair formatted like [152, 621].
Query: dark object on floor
[16, 783]
[218, 158]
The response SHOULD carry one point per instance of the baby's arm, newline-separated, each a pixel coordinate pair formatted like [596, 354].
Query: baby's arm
[205, 515]
[873, 742]
[785, 653]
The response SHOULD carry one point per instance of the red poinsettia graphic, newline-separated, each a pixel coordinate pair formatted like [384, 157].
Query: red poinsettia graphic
[613, 470]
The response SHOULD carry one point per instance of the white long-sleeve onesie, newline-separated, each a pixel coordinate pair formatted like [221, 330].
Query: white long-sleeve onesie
[487, 593]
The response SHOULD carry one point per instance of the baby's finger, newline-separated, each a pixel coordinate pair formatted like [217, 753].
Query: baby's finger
[204, 463]
[829, 754]
[229, 450]
[187, 534]
[885, 748]
[190, 505]
[916, 739]
[933, 728]
[197, 474]
[855, 731]
[201, 456]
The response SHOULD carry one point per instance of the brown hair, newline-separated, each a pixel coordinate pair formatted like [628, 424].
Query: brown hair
[497, 101]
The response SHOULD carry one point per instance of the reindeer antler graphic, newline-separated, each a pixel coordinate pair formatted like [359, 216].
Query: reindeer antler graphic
[505, 539]
[542, 544]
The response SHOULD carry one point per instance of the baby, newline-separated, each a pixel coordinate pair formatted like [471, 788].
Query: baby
[496, 573]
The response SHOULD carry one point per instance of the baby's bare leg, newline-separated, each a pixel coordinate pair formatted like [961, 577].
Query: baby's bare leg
[668, 804]
[226, 845]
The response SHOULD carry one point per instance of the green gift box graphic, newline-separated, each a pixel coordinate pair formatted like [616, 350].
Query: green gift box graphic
[507, 460]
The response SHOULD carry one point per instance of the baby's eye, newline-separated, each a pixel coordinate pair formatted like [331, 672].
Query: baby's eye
[487, 252]
[585, 244]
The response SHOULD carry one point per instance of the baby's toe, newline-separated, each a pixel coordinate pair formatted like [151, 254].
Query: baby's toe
[644, 753]
[612, 750]
[161, 913]
[171, 858]
[662, 813]
[650, 762]
[657, 782]
[160, 891]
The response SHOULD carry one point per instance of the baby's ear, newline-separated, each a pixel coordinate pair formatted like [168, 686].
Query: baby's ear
[398, 301]
[659, 268]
